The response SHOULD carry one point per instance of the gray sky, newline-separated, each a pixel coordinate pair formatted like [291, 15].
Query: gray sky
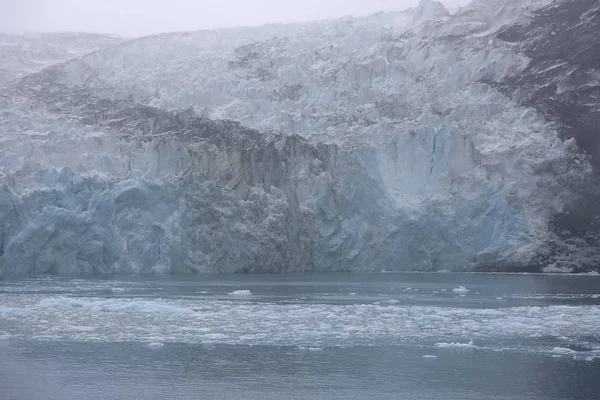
[144, 17]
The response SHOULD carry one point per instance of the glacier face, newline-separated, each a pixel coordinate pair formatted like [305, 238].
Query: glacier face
[364, 144]
[21, 55]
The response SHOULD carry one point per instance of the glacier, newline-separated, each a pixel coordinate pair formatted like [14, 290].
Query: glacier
[388, 142]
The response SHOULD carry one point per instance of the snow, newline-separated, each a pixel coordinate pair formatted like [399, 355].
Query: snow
[374, 136]
[460, 290]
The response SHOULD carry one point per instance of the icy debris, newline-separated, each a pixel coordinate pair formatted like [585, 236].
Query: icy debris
[12, 310]
[241, 293]
[433, 318]
[314, 349]
[155, 345]
[212, 320]
[592, 273]
[461, 290]
[429, 356]
[114, 305]
[553, 269]
[79, 328]
[455, 345]
[563, 351]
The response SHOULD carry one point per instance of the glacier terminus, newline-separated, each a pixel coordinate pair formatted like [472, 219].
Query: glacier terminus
[416, 140]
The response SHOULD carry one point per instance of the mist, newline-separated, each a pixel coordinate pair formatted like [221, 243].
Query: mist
[146, 17]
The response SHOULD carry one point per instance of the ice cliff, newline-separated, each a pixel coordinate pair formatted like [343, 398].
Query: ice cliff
[21, 55]
[397, 141]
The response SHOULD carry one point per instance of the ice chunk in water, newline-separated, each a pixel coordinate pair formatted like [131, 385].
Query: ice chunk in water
[563, 350]
[241, 293]
[461, 290]
[433, 317]
[455, 345]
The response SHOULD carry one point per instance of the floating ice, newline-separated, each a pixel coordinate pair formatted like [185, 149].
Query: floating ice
[563, 351]
[455, 345]
[11, 310]
[461, 290]
[553, 269]
[114, 305]
[433, 318]
[155, 345]
[241, 293]
[429, 356]
[206, 320]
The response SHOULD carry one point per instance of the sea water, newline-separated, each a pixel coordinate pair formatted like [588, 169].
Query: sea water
[304, 336]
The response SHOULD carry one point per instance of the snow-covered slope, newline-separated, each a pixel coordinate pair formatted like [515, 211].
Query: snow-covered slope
[383, 142]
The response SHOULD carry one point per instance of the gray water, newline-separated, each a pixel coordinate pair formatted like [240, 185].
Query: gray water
[338, 336]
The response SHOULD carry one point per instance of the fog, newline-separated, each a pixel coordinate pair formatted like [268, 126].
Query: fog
[145, 17]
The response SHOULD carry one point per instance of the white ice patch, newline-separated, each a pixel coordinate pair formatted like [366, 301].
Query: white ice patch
[114, 305]
[553, 269]
[429, 356]
[456, 345]
[241, 293]
[11, 310]
[433, 318]
[563, 351]
[155, 345]
[78, 328]
[461, 290]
